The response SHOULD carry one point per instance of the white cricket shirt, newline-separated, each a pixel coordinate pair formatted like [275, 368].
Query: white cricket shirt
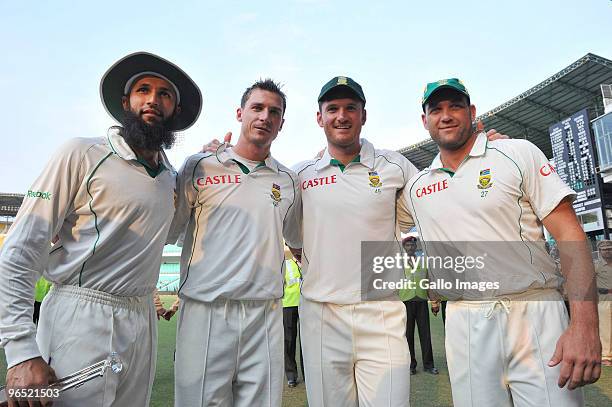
[235, 219]
[342, 209]
[111, 217]
[500, 193]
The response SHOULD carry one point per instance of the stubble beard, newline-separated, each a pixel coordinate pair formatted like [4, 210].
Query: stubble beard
[456, 144]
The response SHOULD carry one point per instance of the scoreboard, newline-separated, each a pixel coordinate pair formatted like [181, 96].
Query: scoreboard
[575, 163]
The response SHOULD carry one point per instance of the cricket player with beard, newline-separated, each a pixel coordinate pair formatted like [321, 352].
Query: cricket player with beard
[236, 205]
[514, 347]
[111, 201]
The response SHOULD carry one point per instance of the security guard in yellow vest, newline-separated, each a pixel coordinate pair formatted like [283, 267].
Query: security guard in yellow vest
[417, 312]
[41, 289]
[291, 300]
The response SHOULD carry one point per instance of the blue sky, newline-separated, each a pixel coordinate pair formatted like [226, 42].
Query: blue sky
[55, 52]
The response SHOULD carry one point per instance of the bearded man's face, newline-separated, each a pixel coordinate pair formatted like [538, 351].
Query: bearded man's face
[149, 108]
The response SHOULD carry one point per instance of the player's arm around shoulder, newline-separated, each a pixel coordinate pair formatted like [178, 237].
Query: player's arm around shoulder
[186, 193]
[294, 181]
[406, 170]
[396, 160]
[294, 232]
[300, 168]
[292, 223]
[194, 167]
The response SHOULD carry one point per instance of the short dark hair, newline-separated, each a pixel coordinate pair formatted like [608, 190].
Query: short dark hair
[264, 84]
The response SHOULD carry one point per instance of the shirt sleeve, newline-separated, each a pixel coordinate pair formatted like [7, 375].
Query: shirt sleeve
[185, 199]
[403, 214]
[292, 225]
[25, 253]
[541, 183]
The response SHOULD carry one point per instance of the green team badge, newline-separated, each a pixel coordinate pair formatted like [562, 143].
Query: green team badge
[375, 181]
[484, 181]
[275, 194]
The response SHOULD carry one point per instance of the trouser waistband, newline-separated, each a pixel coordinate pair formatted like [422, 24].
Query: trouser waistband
[546, 294]
[505, 302]
[135, 303]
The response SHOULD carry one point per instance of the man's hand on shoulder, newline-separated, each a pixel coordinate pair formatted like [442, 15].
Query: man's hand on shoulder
[213, 145]
[30, 373]
[492, 134]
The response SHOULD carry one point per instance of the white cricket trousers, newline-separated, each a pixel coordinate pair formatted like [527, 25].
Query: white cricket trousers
[355, 354]
[498, 351]
[79, 327]
[229, 353]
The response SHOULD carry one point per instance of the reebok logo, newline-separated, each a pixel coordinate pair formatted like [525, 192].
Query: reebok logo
[39, 194]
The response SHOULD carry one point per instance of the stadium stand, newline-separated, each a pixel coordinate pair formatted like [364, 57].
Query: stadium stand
[529, 114]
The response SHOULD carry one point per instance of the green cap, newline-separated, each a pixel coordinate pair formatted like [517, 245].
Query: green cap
[451, 83]
[342, 81]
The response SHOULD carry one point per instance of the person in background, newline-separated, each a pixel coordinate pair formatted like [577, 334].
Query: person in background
[41, 289]
[603, 271]
[417, 312]
[291, 300]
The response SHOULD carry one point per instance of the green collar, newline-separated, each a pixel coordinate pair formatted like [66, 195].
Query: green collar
[244, 168]
[150, 170]
[335, 163]
[448, 171]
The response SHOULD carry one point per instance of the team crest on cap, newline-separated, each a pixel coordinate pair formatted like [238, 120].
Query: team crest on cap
[342, 80]
[484, 181]
[275, 194]
[375, 181]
